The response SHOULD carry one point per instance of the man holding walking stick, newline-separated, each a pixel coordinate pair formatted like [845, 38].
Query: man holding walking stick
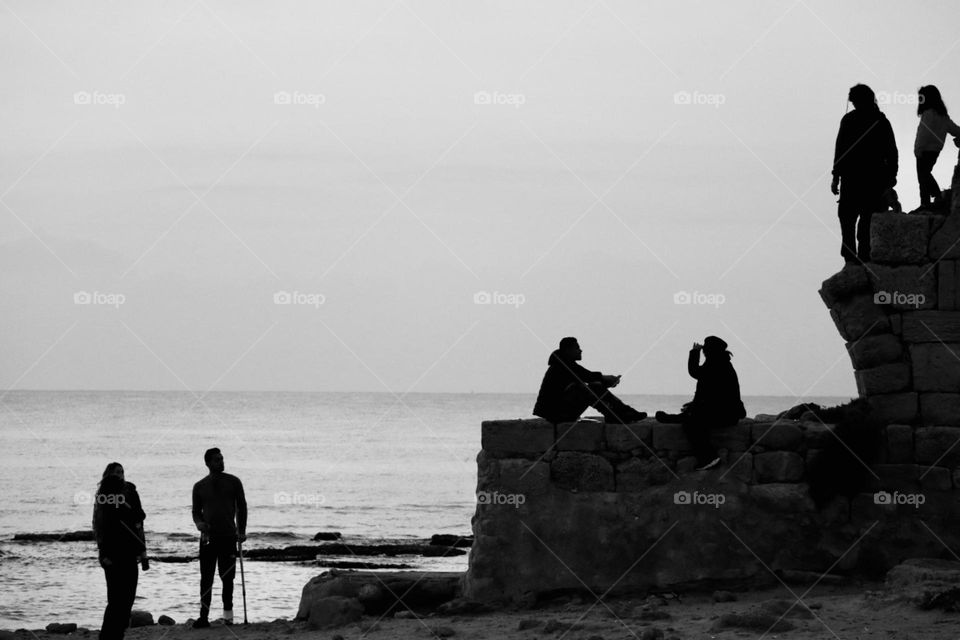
[220, 513]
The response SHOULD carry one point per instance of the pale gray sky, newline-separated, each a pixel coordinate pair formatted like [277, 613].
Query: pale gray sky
[147, 154]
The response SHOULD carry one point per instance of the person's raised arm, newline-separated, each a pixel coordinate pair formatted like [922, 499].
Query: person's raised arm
[241, 512]
[693, 361]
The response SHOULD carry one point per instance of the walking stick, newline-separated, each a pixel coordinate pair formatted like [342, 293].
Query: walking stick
[243, 583]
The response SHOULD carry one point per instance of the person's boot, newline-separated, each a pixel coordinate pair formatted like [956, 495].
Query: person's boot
[228, 616]
[201, 623]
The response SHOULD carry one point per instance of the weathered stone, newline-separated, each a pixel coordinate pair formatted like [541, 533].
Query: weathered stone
[670, 437]
[897, 477]
[577, 471]
[887, 378]
[780, 497]
[896, 323]
[899, 443]
[584, 435]
[935, 478]
[938, 446]
[859, 316]
[627, 437]
[686, 464]
[944, 243]
[948, 285]
[778, 466]
[501, 438]
[897, 238]
[894, 407]
[61, 627]
[166, 621]
[139, 618]
[733, 438]
[872, 351]
[915, 579]
[334, 611]
[908, 288]
[850, 280]
[931, 326]
[740, 466]
[636, 474]
[781, 435]
[936, 366]
[518, 475]
[940, 409]
[817, 434]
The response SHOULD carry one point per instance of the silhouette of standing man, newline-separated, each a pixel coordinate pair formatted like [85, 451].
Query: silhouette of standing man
[864, 167]
[220, 513]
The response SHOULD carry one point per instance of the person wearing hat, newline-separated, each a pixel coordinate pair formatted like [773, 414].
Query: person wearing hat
[716, 401]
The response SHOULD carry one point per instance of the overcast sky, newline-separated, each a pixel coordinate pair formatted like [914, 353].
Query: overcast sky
[394, 165]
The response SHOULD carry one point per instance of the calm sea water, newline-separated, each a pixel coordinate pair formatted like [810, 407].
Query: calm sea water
[364, 464]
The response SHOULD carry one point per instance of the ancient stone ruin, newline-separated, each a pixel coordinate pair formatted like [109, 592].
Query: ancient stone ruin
[620, 508]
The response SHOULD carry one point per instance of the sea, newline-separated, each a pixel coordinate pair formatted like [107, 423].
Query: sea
[375, 467]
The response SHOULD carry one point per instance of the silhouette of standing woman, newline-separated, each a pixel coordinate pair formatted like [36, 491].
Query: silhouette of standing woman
[118, 528]
[934, 126]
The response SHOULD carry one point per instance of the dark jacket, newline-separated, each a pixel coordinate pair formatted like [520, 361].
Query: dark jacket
[118, 521]
[865, 156]
[718, 389]
[219, 502]
[560, 377]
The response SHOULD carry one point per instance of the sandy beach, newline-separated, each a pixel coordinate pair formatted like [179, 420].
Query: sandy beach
[856, 611]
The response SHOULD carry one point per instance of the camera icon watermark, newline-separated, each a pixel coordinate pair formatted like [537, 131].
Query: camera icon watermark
[898, 98]
[496, 498]
[915, 300]
[296, 498]
[695, 498]
[886, 498]
[515, 300]
[88, 498]
[99, 98]
[99, 298]
[299, 298]
[714, 100]
[299, 98]
[699, 298]
[497, 98]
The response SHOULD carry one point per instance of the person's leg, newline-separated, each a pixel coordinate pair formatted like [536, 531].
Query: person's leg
[847, 213]
[208, 563]
[929, 189]
[226, 566]
[698, 433]
[130, 575]
[108, 628]
[612, 408]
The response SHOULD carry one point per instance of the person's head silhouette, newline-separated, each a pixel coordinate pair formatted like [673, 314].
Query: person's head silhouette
[928, 97]
[570, 349]
[862, 97]
[714, 347]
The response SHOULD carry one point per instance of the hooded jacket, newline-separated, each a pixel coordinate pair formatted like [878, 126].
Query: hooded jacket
[865, 155]
[560, 376]
[718, 388]
[118, 521]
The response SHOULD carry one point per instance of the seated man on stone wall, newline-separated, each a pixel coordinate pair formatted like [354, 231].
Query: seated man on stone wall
[568, 389]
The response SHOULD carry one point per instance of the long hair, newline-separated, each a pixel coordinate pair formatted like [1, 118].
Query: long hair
[108, 482]
[863, 97]
[929, 98]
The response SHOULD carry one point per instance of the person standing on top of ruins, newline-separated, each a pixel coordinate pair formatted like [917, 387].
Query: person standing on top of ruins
[864, 168]
[935, 124]
[716, 402]
[568, 389]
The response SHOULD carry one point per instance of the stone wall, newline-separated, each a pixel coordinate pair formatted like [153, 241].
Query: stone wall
[621, 508]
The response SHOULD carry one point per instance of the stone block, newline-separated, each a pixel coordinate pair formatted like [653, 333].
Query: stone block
[906, 288]
[778, 466]
[901, 408]
[781, 435]
[817, 435]
[627, 437]
[935, 479]
[931, 326]
[936, 366]
[504, 438]
[740, 466]
[519, 475]
[899, 443]
[636, 474]
[948, 285]
[850, 280]
[940, 409]
[873, 351]
[778, 497]
[859, 316]
[945, 242]
[733, 438]
[583, 435]
[670, 437]
[577, 471]
[897, 477]
[686, 464]
[887, 378]
[898, 238]
[938, 446]
[896, 323]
